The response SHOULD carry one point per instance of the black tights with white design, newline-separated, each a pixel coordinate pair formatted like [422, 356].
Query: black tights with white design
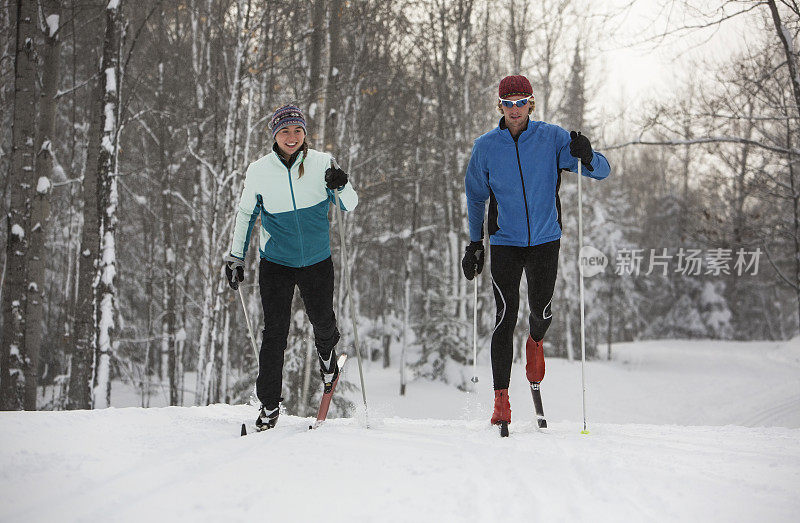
[540, 263]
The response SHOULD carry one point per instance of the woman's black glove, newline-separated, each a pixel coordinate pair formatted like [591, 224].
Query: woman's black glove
[234, 270]
[335, 178]
[580, 147]
[472, 263]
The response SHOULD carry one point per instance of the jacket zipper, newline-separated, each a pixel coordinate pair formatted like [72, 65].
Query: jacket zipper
[524, 194]
[296, 219]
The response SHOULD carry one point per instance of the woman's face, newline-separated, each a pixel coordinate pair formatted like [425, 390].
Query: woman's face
[290, 138]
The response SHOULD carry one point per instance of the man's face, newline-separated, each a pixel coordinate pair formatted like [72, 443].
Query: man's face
[515, 116]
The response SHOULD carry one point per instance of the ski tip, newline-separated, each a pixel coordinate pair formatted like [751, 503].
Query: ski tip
[503, 429]
[244, 430]
[542, 424]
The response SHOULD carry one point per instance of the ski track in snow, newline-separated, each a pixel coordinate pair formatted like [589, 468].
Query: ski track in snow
[687, 434]
[179, 464]
[777, 412]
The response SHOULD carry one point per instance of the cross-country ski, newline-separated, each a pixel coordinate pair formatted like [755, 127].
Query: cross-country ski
[536, 392]
[327, 395]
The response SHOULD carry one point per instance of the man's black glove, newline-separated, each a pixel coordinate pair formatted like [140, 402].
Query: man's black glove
[234, 270]
[579, 147]
[335, 178]
[472, 262]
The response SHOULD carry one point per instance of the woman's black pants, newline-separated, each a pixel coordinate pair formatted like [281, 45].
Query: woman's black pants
[277, 283]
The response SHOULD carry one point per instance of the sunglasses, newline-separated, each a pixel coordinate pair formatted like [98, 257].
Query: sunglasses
[511, 103]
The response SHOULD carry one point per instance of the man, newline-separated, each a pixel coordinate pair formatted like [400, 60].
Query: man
[517, 167]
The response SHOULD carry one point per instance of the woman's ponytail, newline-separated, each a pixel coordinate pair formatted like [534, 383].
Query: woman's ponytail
[303, 159]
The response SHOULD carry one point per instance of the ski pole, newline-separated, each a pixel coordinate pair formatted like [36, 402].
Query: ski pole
[580, 270]
[346, 276]
[249, 328]
[475, 333]
[252, 338]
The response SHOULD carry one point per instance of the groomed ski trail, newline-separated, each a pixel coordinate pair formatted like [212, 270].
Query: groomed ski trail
[183, 464]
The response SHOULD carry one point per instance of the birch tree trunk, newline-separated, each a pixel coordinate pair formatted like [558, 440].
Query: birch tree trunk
[168, 327]
[84, 342]
[318, 39]
[13, 360]
[107, 205]
[93, 320]
[332, 72]
[200, 79]
[518, 33]
[409, 263]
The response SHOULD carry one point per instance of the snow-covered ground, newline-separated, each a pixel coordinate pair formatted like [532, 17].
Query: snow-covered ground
[689, 431]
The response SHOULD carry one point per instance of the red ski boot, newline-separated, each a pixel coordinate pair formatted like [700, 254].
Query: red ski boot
[534, 357]
[502, 408]
[502, 411]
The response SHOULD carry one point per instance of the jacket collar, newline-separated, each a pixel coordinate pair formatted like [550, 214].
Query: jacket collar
[502, 128]
[287, 163]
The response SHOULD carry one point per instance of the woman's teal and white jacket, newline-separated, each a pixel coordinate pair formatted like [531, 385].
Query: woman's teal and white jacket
[293, 209]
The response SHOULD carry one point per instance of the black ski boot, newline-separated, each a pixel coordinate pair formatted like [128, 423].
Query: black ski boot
[267, 418]
[329, 370]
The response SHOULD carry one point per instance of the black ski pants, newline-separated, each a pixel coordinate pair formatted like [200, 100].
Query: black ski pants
[277, 283]
[540, 263]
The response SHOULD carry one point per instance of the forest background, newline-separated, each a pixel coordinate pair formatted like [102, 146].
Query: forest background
[127, 127]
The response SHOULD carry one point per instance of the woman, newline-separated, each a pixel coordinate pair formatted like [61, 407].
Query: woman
[291, 188]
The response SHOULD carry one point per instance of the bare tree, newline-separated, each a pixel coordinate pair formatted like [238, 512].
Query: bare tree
[90, 373]
[40, 205]
[14, 361]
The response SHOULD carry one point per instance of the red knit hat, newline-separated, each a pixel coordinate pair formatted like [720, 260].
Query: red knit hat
[515, 84]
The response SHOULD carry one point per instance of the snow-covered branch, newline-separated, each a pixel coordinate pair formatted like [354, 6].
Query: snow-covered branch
[707, 140]
[77, 86]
